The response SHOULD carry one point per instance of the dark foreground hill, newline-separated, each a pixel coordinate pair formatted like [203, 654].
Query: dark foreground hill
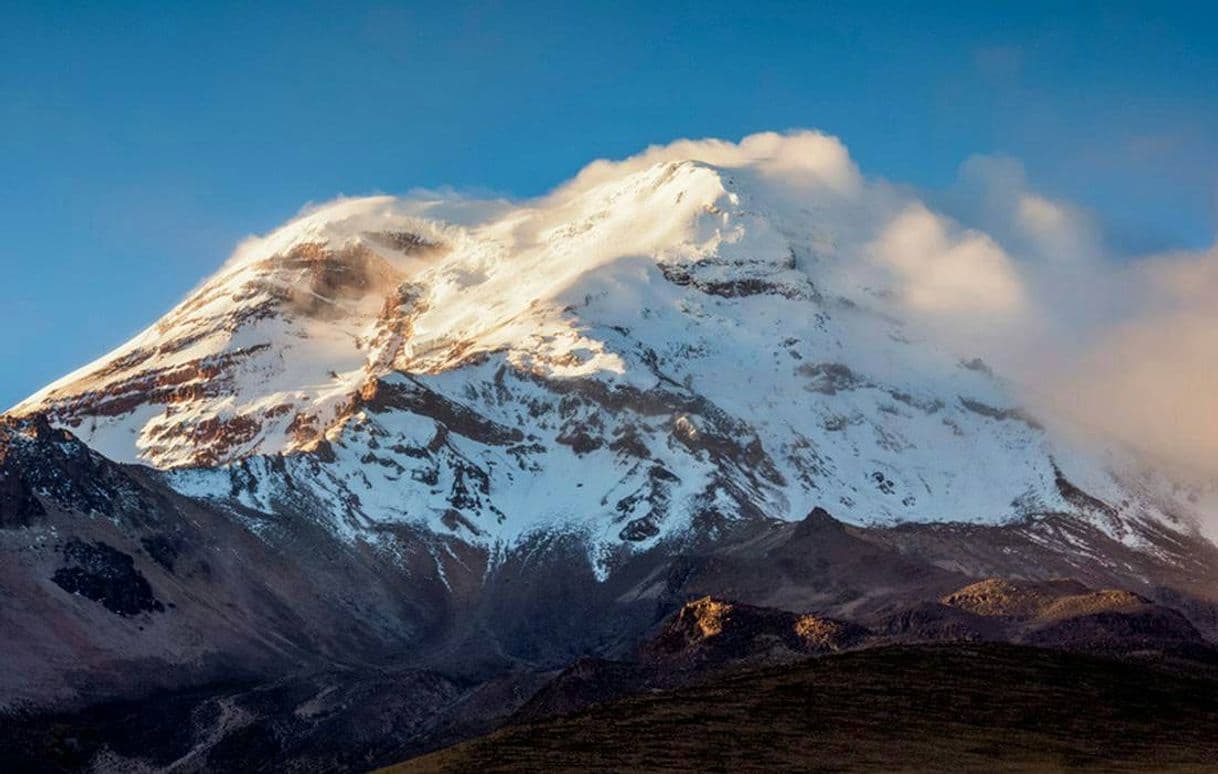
[959, 707]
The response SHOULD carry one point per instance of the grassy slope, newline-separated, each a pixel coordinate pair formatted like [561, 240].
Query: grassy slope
[962, 707]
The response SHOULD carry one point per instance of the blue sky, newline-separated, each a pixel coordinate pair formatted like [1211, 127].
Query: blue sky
[140, 142]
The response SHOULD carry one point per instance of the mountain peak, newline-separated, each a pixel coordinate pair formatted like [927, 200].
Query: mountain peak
[660, 344]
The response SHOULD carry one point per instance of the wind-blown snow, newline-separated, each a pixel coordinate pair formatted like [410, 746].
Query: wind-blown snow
[696, 335]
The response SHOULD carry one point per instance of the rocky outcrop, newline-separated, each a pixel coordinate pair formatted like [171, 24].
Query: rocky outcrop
[710, 630]
[107, 576]
[409, 395]
[1066, 614]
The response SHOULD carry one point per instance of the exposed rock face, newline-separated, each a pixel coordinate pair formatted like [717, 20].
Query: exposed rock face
[1066, 614]
[998, 597]
[123, 588]
[117, 586]
[106, 575]
[710, 629]
[18, 504]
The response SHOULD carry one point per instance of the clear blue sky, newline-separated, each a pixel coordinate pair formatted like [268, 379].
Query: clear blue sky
[140, 142]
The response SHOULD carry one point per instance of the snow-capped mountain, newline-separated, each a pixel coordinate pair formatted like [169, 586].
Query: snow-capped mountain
[662, 345]
[363, 491]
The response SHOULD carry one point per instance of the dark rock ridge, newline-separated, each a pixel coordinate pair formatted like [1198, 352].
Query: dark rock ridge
[106, 575]
[710, 629]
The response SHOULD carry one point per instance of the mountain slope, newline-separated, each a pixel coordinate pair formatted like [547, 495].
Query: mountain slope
[890, 709]
[397, 463]
[652, 350]
[117, 586]
[149, 629]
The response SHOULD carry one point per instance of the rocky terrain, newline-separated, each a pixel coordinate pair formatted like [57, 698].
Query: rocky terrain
[145, 628]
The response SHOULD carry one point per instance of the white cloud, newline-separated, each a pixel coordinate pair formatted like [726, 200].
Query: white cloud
[946, 270]
[1054, 228]
[993, 193]
[1150, 376]
[804, 158]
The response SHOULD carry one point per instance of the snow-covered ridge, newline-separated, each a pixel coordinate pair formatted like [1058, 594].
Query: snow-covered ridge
[663, 343]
